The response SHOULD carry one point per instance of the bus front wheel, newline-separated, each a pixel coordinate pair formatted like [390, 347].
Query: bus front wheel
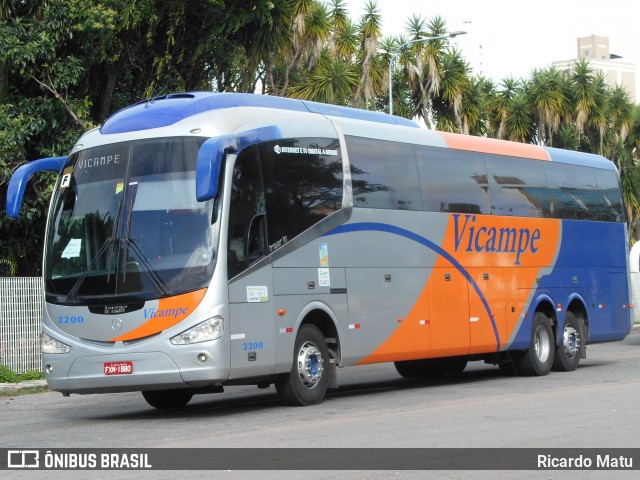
[168, 399]
[538, 359]
[308, 380]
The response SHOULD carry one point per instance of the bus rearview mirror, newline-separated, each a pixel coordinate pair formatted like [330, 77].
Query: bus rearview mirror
[20, 178]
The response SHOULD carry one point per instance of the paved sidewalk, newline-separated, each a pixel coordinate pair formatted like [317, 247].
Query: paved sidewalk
[22, 385]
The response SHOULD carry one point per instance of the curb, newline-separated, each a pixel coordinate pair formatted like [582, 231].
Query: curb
[15, 387]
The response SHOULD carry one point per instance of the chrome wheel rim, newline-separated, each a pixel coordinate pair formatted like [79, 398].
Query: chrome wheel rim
[310, 365]
[571, 341]
[542, 344]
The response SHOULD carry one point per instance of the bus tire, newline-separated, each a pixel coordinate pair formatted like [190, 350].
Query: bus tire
[308, 380]
[168, 399]
[454, 365]
[567, 354]
[538, 359]
[412, 368]
[431, 368]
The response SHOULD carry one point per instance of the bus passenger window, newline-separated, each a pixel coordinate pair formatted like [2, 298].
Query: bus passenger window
[383, 174]
[517, 186]
[452, 181]
[573, 191]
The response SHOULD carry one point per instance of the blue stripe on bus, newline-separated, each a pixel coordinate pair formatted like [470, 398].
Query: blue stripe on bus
[382, 227]
[170, 109]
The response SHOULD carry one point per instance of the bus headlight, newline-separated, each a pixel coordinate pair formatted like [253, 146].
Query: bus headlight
[51, 345]
[203, 332]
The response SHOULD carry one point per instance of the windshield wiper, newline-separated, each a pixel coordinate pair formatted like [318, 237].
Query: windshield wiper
[73, 293]
[109, 242]
[157, 281]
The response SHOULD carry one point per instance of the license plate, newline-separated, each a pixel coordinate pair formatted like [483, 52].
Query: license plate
[118, 368]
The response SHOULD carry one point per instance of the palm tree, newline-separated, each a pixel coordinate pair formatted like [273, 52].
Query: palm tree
[370, 31]
[584, 93]
[508, 89]
[620, 115]
[548, 101]
[476, 106]
[425, 70]
[298, 32]
[454, 83]
[519, 122]
[332, 80]
[343, 42]
[566, 138]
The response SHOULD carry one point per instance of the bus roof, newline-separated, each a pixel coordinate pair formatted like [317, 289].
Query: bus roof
[169, 109]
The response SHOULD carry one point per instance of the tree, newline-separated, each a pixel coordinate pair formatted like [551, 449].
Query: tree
[65, 65]
[371, 78]
[546, 93]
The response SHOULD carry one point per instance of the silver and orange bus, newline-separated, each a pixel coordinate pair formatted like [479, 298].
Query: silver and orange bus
[200, 240]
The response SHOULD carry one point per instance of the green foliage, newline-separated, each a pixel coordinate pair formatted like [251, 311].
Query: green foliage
[31, 375]
[66, 65]
[7, 375]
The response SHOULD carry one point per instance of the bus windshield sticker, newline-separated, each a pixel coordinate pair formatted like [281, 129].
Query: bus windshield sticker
[72, 250]
[66, 177]
[119, 187]
[324, 280]
[258, 294]
[324, 255]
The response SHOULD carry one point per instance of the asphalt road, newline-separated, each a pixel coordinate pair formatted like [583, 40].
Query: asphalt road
[597, 406]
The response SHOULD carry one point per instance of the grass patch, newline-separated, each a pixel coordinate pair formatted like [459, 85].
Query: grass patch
[22, 391]
[9, 376]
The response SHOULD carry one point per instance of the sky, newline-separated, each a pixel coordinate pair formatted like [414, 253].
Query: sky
[512, 37]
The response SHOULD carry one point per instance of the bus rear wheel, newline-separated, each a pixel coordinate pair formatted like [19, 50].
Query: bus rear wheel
[538, 359]
[567, 354]
[308, 380]
[168, 399]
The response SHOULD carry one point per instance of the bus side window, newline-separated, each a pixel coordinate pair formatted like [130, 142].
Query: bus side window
[247, 238]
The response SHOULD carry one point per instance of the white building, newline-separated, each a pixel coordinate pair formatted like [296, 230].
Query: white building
[596, 50]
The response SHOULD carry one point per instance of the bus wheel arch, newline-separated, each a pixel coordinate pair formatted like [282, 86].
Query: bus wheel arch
[307, 382]
[315, 358]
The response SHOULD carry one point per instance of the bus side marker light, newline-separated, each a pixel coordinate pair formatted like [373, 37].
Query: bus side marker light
[282, 312]
[601, 306]
[559, 308]
[353, 326]
[627, 305]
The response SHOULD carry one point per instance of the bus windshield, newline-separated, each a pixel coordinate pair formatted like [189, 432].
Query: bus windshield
[125, 225]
